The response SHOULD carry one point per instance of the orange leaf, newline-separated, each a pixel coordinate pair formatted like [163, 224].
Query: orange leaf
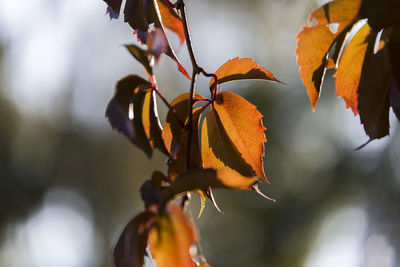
[314, 42]
[241, 69]
[217, 149]
[171, 238]
[351, 65]
[171, 20]
[243, 125]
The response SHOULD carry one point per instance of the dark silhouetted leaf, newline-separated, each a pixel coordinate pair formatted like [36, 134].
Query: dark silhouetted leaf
[381, 14]
[114, 7]
[124, 111]
[135, 15]
[395, 98]
[143, 57]
[243, 124]
[314, 42]
[241, 69]
[171, 238]
[131, 245]
[351, 65]
[151, 123]
[373, 99]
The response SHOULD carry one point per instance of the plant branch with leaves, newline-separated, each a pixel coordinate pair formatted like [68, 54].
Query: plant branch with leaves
[215, 142]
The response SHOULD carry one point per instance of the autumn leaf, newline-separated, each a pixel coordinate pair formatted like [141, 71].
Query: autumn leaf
[114, 7]
[171, 238]
[130, 248]
[143, 57]
[135, 15]
[241, 69]
[351, 66]
[202, 179]
[151, 123]
[314, 42]
[170, 19]
[217, 149]
[150, 191]
[124, 111]
[243, 125]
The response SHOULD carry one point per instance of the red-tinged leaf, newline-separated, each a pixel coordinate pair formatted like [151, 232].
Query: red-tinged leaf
[170, 19]
[151, 123]
[130, 248]
[314, 42]
[241, 69]
[114, 7]
[143, 57]
[124, 111]
[351, 66]
[373, 94]
[243, 125]
[173, 130]
[217, 149]
[203, 179]
[171, 238]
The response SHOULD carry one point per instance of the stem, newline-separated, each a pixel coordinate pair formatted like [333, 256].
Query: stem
[169, 106]
[196, 71]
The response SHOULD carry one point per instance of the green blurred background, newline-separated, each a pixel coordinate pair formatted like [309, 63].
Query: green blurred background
[69, 183]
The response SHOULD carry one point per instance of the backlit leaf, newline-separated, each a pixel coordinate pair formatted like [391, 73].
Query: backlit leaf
[142, 56]
[373, 99]
[241, 69]
[171, 20]
[314, 42]
[130, 248]
[171, 237]
[243, 125]
[124, 111]
[217, 149]
[151, 123]
[351, 65]
[202, 179]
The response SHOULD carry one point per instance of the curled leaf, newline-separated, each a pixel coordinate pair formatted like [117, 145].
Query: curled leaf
[241, 69]
[170, 19]
[143, 57]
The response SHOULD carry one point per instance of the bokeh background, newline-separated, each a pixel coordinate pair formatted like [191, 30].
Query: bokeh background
[68, 183]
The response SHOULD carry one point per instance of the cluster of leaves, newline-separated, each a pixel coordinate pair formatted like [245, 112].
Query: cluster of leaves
[367, 63]
[215, 142]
